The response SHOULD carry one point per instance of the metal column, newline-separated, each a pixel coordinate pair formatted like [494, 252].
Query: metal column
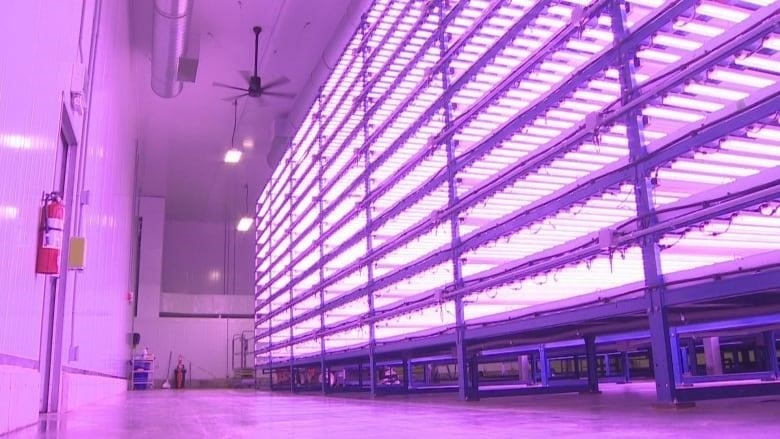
[770, 340]
[544, 366]
[626, 368]
[290, 163]
[367, 187]
[675, 356]
[692, 360]
[270, 308]
[324, 375]
[407, 368]
[473, 381]
[654, 282]
[590, 355]
[464, 390]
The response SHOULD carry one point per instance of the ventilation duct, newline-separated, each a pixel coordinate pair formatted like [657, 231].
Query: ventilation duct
[171, 24]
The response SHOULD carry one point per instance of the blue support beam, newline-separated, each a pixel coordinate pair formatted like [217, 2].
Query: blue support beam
[770, 346]
[692, 394]
[626, 367]
[321, 248]
[590, 355]
[663, 358]
[363, 98]
[544, 367]
[472, 382]
[291, 273]
[690, 365]
[452, 193]
[524, 391]
[270, 322]
[407, 376]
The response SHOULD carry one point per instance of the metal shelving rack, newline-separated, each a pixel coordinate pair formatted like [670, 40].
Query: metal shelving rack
[142, 373]
[472, 163]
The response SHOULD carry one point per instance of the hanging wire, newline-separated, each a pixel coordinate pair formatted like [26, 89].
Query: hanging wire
[246, 198]
[235, 122]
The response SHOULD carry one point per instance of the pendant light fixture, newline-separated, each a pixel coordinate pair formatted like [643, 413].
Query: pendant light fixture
[246, 221]
[233, 155]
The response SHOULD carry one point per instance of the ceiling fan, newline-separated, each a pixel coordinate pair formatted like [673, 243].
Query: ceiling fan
[257, 88]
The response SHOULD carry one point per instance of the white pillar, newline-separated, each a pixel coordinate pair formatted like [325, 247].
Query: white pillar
[525, 369]
[712, 355]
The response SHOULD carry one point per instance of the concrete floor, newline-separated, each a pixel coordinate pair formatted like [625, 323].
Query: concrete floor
[622, 411]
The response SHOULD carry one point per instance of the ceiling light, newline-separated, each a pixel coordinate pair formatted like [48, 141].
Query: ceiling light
[244, 224]
[248, 143]
[233, 155]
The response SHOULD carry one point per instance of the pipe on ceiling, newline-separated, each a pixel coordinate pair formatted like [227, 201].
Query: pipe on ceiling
[171, 25]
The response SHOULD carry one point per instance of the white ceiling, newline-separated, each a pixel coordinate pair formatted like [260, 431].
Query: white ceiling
[183, 139]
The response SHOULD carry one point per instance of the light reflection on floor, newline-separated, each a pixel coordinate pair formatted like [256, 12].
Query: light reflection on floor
[621, 411]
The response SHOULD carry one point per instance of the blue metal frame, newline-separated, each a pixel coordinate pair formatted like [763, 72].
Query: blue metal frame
[651, 299]
[590, 355]
[770, 341]
[369, 141]
[663, 362]
[524, 21]
[369, 239]
[600, 181]
[452, 194]
[319, 160]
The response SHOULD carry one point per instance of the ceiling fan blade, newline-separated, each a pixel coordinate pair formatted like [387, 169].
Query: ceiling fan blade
[233, 98]
[278, 94]
[219, 84]
[246, 74]
[276, 82]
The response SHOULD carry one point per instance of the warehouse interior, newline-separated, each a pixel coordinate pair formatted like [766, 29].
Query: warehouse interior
[348, 217]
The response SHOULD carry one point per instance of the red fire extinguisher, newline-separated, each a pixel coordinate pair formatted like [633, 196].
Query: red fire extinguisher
[52, 225]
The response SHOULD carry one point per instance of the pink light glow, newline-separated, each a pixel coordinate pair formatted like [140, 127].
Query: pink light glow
[691, 175]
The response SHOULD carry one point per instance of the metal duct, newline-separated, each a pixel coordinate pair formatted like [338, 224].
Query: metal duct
[171, 23]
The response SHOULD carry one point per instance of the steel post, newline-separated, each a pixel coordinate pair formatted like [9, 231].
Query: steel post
[626, 368]
[472, 393]
[407, 377]
[318, 160]
[692, 358]
[366, 158]
[770, 342]
[544, 366]
[290, 187]
[590, 354]
[654, 293]
[460, 319]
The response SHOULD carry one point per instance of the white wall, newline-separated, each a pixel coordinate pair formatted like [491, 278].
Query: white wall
[207, 258]
[203, 342]
[39, 44]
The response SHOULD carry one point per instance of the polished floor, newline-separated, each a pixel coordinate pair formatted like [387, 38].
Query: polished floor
[622, 411]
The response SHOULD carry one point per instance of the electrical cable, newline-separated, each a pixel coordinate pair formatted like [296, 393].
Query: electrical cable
[235, 122]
